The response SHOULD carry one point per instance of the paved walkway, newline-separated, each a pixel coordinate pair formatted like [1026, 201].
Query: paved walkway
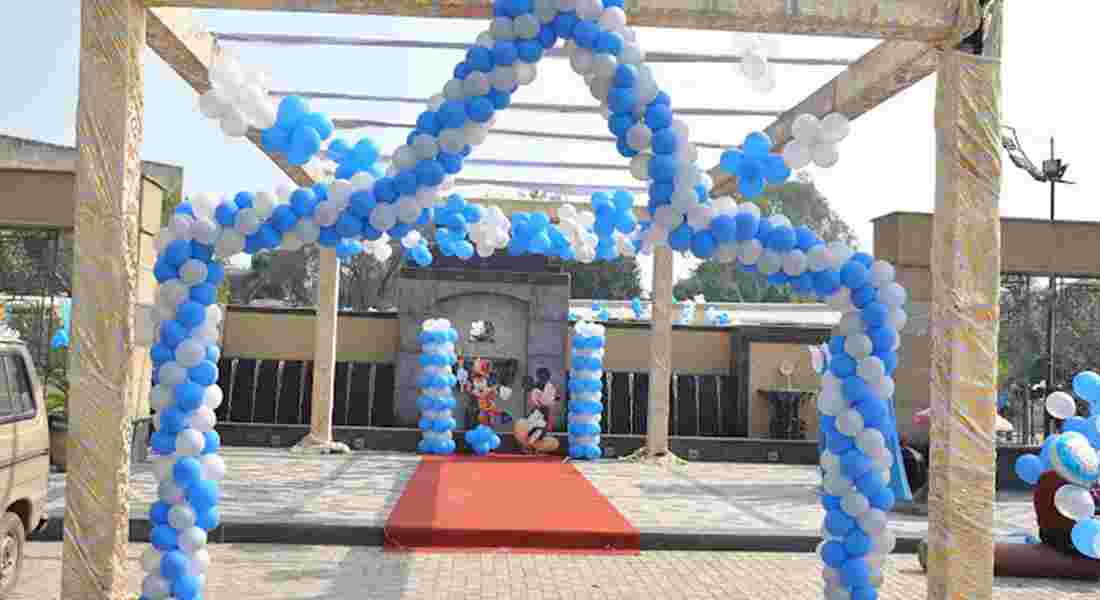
[273, 486]
[241, 572]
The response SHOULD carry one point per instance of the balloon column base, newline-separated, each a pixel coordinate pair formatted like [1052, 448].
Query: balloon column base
[311, 445]
[644, 455]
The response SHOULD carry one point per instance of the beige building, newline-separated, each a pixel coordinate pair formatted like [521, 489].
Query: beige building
[36, 191]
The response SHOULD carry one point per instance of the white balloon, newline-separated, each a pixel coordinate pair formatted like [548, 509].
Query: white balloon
[806, 128]
[851, 323]
[475, 133]
[203, 419]
[632, 54]
[871, 368]
[855, 504]
[181, 516]
[424, 147]
[794, 263]
[1074, 502]
[873, 522]
[667, 216]
[212, 105]
[383, 217]
[408, 209]
[1061, 405]
[825, 155]
[749, 251]
[613, 18]
[326, 214]
[604, 66]
[160, 397]
[264, 204]
[589, 10]
[858, 346]
[770, 262]
[526, 26]
[248, 222]
[189, 442]
[192, 539]
[205, 231]
[234, 124]
[162, 467]
[526, 73]
[639, 136]
[834, 127]
[502, 29]
[200, 561]
[169, 493]
[452, 140]
[307, 230]
[155, 587]
[180, 225]
[797, 155]
[581, 60]
[897, 318]
[882, 273]
[893, 295]
[172, 374]
[639, 166]
[883, 543]
[454, 89]
[870, 440]
[190, 353]
[838, 253]
[193, 272]
[850, 423]
[213, 467]
[754, 66]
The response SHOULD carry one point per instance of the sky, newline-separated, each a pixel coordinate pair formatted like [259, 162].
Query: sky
[887, 163]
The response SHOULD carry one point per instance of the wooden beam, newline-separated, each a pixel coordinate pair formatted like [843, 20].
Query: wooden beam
[922, 20]
[966, 284]
[105, 292]
[190, 50]
[884, 72]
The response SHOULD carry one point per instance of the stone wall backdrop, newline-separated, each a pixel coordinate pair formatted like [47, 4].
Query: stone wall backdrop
[529, 313]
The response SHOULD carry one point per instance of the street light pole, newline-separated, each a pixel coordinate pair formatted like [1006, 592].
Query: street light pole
[1051, 172]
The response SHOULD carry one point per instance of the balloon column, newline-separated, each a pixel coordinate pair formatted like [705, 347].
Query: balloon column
[636, 307]
[586, 390]
[1074, 455]
[436, 402]
[61, 337]
[185, 395]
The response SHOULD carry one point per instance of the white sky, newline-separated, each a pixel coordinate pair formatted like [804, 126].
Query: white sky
[887, 162]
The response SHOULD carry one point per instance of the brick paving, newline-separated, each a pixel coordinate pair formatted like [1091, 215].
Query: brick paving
[340, 573]
[274, 486]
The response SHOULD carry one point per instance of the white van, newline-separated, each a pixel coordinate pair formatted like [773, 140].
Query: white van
[24, 458]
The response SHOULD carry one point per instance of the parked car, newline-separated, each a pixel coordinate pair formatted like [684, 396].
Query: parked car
[24, 458]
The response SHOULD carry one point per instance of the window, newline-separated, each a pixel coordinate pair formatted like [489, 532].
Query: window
[7, 400]
[19, 384]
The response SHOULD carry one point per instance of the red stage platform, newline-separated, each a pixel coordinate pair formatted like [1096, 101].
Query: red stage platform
[506, 503]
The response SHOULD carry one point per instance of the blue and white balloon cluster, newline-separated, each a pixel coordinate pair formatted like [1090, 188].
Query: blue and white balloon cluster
[482, 440]
[857, 420]
[716, 318]
[1074, 455]
[185, 395]
[436, 402]
[586, 390]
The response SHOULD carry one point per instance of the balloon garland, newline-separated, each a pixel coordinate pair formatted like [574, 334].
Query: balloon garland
[1074, 455]
[366, 205]
[586, 390]
[437, 341]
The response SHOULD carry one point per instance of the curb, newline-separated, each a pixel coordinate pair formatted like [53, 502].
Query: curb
[310, 534]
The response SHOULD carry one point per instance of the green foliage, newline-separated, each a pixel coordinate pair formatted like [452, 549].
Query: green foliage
[172, 199]
[605, 280]
[803, 203]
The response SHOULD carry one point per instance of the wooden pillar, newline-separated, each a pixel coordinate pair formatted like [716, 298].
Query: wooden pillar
[105, 288]
[660, 353]
[966, 268]
[324, 358]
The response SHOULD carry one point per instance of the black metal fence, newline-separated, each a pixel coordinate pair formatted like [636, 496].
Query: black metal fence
[280, 392]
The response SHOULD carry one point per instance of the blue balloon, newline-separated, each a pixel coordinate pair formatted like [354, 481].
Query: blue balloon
[1086, 384]
[1085, 537]
[164, 538]
[1029, 468]
[203, 495]
[209, 520]
[186, 471]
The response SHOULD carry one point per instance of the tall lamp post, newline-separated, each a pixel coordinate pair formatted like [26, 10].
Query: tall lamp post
[1052, 171]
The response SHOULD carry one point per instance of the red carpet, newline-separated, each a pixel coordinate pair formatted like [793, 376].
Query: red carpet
[506, 503]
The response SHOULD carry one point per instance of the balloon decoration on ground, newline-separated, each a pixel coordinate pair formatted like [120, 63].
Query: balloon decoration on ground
[437, 381]
[185, 395]
[363, 208]
[586, 390]
[1070, 460]
[482, 440]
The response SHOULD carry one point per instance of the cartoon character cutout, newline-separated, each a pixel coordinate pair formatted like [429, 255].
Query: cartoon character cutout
[481, 387]
[542, 400]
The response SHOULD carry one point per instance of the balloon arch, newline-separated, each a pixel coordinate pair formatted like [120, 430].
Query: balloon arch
[363, 208]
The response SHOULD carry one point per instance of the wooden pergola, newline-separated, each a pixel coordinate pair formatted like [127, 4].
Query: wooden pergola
[959, 40]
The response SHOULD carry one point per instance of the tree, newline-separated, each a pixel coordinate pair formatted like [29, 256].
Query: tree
[605, 280]
[803, 204]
